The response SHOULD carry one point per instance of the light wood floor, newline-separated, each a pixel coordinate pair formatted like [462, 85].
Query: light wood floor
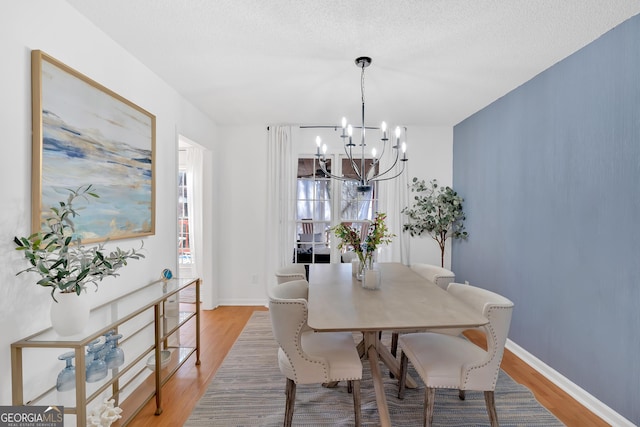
[221, 327]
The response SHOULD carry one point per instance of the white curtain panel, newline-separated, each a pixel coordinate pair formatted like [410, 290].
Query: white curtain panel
[394, 197]
[281, 187]
[195, 202]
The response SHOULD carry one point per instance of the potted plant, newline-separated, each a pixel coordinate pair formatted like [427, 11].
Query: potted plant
[437, 211]
[65, 265]
[377, 234]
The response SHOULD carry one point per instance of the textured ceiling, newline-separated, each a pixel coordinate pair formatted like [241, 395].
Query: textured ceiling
[435, 62]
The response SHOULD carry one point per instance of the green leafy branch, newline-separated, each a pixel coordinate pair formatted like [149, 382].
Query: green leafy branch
[57, 255]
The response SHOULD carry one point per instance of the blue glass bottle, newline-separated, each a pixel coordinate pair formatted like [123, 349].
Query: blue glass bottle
[115, 355]
[67, 377]
[96, 366]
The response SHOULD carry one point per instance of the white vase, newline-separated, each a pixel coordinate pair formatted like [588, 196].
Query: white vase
[70, 314]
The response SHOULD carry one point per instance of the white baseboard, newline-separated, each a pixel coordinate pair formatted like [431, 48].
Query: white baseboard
[243, 301]
[590, 402]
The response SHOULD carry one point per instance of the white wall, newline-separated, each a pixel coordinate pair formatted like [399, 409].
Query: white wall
[56, 28]
[431, 157]
[242, 212]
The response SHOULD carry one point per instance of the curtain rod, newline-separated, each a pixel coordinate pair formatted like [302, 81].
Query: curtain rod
[334, 127]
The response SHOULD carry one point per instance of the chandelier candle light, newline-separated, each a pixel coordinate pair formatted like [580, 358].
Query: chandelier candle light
[365, 174]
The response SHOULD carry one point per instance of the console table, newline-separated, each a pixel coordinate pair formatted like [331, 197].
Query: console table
[149, 319]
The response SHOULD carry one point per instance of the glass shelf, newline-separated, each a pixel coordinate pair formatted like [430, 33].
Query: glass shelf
[109, 315]
[132, 311]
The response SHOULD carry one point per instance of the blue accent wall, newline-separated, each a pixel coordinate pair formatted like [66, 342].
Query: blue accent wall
[550, 174]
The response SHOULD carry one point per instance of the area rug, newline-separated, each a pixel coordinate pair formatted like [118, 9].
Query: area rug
[248, 390]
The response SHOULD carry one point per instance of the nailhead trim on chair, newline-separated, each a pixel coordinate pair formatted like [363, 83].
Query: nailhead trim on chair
[303, 355]
[495, 378]
[291, 275]
[493, 335]
[299, 350]
[288, 277]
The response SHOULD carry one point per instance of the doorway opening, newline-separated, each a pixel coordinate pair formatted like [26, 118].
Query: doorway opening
[190, 208]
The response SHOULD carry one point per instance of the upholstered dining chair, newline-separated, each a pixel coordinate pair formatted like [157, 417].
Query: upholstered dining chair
[438, 275]
[306, 356]
[291, 272]
[446, 361]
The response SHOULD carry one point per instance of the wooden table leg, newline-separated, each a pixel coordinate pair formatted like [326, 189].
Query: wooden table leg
[360, 348]
[381, 399]
[375, 351]
[393, 365]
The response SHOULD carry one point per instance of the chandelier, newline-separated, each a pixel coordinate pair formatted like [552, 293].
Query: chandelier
[365, 169]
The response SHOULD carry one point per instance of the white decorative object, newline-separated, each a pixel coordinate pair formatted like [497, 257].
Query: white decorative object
[70, 314]
[165, 357]
[105, 415]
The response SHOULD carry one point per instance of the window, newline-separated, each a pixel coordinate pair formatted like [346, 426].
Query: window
[354, 205]
[357, 208]
[184, 248]
[313, 213]
[318, 209]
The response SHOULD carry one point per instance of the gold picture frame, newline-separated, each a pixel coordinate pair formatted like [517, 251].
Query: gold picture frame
[84, 133]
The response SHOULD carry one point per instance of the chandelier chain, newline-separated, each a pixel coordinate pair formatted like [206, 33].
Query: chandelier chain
[362, 87]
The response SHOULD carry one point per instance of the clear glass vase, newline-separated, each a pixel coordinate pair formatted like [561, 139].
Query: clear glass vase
[360, 270]
[371, 277]
[355, 267]
[364, 263]
[369, 273]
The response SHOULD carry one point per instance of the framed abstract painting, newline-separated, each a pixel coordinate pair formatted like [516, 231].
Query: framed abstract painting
[84, 133]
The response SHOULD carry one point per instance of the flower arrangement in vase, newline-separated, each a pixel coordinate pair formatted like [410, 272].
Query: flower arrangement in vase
[65, 265]
[377, 234]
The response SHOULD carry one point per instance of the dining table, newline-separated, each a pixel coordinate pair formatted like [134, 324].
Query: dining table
[405, 301]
